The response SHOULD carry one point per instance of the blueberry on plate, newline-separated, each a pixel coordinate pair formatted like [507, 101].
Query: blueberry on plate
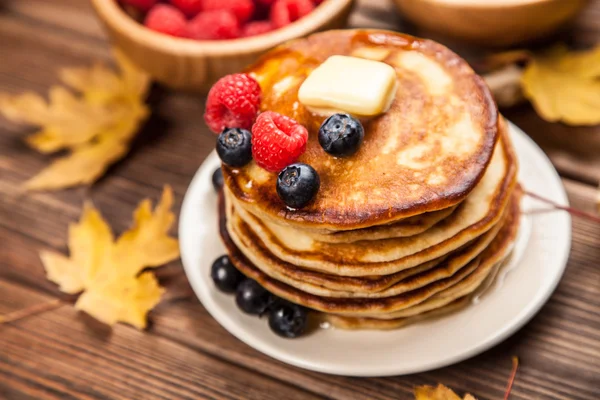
[217, 179]
[225, 275]
[341, 135]
[287, 319]
[252, 298]
[234, 146]
[274, 301]
[297, 185]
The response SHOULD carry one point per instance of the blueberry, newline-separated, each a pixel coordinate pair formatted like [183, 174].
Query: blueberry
[234, 146]
[274, 301]
[252, 298]
[341, 135]
[225, 275]
[287, 319]
[297, 184]
[217, 179]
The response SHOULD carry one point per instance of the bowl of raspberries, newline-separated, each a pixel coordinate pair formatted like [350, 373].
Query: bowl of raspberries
[190, 44]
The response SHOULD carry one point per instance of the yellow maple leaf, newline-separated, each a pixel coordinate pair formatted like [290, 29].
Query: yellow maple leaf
[106, 271]
[67, 120]
[122, 300]
[101, 85]
[565, 86]
[90, 245]
[440, 392]
[27, 107]
[147, 243]
[90, 161]
[96, 126]
[83, 166]
[61, 270]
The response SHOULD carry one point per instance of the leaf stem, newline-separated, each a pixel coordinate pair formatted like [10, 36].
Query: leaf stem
[29, 311]
[513, 374]
[570, 210]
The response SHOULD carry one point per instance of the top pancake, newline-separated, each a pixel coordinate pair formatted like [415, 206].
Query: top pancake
[425, 154]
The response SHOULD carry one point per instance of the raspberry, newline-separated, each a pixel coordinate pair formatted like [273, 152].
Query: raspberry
[261, 10]
[257, 28]
[277, 141]
[188, 7]
[284, 12]
[142, 5]
[166, 19]
[265, 2]
[232, 102]
[242, 9]
[214, 25]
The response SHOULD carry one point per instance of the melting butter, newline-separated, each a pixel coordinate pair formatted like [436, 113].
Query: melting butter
[357, 86]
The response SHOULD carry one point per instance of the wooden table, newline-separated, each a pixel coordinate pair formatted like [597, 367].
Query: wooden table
[61, 353]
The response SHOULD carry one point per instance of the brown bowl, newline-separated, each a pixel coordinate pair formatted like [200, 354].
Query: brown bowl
[491, 22]
[195, 65]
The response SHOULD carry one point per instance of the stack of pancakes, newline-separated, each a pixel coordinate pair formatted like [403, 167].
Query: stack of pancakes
[414, 223]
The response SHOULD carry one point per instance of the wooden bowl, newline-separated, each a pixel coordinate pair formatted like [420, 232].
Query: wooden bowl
[194, 65]
[491, 22]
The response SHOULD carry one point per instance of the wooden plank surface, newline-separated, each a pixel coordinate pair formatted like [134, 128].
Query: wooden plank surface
[60, 353]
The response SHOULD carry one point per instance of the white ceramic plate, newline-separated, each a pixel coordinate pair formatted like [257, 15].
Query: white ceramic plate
[538, 263]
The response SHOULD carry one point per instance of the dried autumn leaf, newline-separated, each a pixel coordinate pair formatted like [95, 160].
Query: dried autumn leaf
[107, 270]
[440, 392]
[27, 107]
[122, 300]
[565, 86]
[67, 120]
[63, 271]
[135, 83]
[88, 162]
[83, 166]
[147, 243]
[90, 245]
[100, 85]
[96, 126]
[584, 63]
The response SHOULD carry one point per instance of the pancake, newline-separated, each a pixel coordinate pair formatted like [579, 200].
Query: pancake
[247, 241]
[352, 323]
[472, 218]
[462, 282]
[426, 153]
[321, 284]
[491, 259]
[406, 227]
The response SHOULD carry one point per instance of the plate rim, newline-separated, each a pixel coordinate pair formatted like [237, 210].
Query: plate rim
[518, 320]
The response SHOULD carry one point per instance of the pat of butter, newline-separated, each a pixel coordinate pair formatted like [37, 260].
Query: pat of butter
[352, 85]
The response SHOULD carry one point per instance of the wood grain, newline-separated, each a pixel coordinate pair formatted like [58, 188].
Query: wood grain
[186, 353]
[68, 356]
[575, 151]
[73, 16]
[16, 297]
[547, 338]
